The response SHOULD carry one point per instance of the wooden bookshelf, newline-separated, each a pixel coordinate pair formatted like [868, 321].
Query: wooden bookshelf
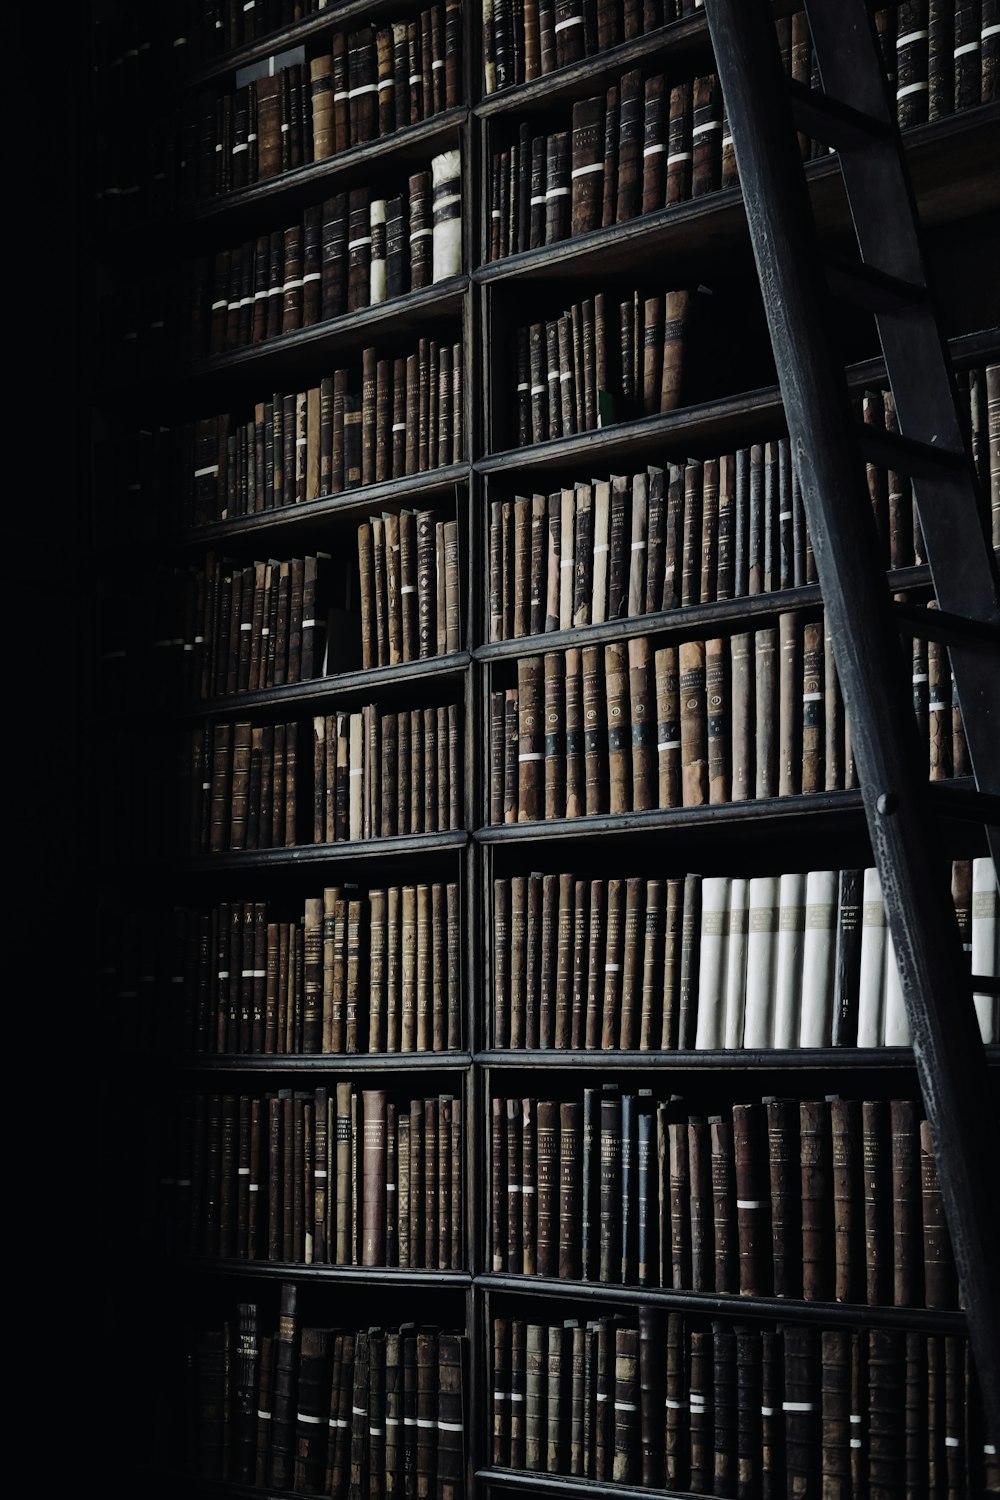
[478, 307]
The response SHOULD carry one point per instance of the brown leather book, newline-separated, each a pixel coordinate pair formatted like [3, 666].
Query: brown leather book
[668, 737]
[512, 1179]
[679, 151]
[632, 962]
[766, 706]
[613, 966]
[680, 1204]
[630, 128]
[587, 172]
[618, 721]
[693, 723]
[533, 960]
[644, 758]
[801, 1407]
[816, 1199]
[546, 1261]
[547, 975]
[554, 735]
[594, 733]
[626, 1466]
[726, 1256]
[498, 1184]
[529, 1186]
[570, 1142]
[717, 704]
[574, 734]
[845, 1130]
[878, 1190]
[789, 715]
[752, 1203]
[907, 1287]
[531, 741]
[654, 143]
[706, 135]
[701, 1413]
[595, 966]
[785, 1195]
[564, 962]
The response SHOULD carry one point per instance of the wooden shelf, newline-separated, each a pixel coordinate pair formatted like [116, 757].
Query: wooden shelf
[729, 420]
[412, 845]
[737, 1060]
[414, 143]
[729, 1304]
[349, 1275]
[327, 1062]
[286, 357]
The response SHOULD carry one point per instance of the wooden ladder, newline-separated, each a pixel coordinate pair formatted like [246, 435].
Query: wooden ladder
[853, 114]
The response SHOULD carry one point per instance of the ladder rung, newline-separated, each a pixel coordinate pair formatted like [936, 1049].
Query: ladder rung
[890, 450]
[868, 287]
[828, 120]
[967, 803]
[949, 629]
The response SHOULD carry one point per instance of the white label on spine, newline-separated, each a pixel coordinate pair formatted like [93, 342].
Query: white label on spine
[556, 192]
[566, 375]
[572, 21]
[419, 234]
[362, 88]
[387, 83]
[536, 390]
[290, 286]
[952, 1442]
[217, 305]
[968, 47]
[908, 37]
[531, 755]
[611, 968]
[798, 1406]
[767, 1411]
[654, 150]
[668, 745]
[209, 469]
[675, 1405]
[424, 1422]
[855, 1417]
[264, 1416]
[911, 88]
[991, 31]
[595, 166]
[626, 1406]
[449, 1426]
[246, 627]
[356, 244]
[678, 156]
[437, 62]
[400, 427]
[855, 1442]
[255, 1187]
[408, 588]
[748, 1202]
[811, 697]
[527, 1187]
[319, 1171]
[708, 125]
[536, 201]
[243, 146]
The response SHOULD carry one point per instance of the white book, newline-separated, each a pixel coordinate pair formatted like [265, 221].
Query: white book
[818, 959]
[602, 523]
[871, 982]
[762, 923]
[788, 960]
[567, 539]
[985, 944]
[897, 1027]
[446, 234]
[637, 554]
[376, 288]
[736, 964]
[709, 1027]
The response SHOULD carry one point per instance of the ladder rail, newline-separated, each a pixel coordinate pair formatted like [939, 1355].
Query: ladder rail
[947, 1045]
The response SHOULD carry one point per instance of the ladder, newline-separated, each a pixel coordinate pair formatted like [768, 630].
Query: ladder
[852, 114]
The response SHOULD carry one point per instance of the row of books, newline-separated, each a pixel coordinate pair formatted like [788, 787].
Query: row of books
[354, 250]
[410, 587]
[652, 140]
[389, 418]
[821, 1199]
[352, 972]
[625, 727]
[230, 627]
[658, 540]
[605, 359]
[803, 959]
[644, 144]
[332, 1177]
[304, 105]
[380, 775]
[937, 58]
[533, 38]
[740, 1411]
[221, 629]
[326, 1410]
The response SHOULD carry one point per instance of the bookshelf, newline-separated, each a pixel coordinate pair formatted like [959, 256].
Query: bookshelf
[316, 968]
